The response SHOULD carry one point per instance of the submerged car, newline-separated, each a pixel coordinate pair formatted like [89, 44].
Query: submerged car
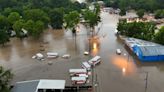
[118, 51]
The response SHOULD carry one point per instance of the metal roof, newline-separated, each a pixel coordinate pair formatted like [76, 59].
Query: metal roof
[26, 86]
[34, 85]
[152, 50]
[133, 41]
[51, 84]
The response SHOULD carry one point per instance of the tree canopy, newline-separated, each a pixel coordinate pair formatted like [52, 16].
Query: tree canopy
[4, 37]
[140, 13]
[159, 36]
[71, 20]
[148, 5]
[141, 30]
[5, 76]
[35, 15]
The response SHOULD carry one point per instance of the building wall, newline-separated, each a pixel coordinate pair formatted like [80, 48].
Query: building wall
[138, 52]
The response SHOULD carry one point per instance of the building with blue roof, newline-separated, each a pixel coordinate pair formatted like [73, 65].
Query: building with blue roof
[149, 53]
[146, 51]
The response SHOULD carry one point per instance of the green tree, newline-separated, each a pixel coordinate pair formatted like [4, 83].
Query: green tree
[141, 30]
[140, 13]
[36, 14]
[34, 28]
[159, 14]
[123, 12]
[38, 29]
[7, 11]
[71, 21]
[56, 16]
[4, 37]
[5, 77]
[121, 27]
[123, 4]
[92, 19]
[29, 26]
[17, 26]
[13, 17]
[4, 24]
[159, 37]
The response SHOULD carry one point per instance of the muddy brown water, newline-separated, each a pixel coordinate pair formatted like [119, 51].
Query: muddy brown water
[116, 73]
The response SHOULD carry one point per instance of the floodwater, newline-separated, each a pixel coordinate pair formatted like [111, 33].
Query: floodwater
[116, 73]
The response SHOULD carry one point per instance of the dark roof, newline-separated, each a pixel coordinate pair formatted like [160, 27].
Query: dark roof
[26, 86]
[152, 50]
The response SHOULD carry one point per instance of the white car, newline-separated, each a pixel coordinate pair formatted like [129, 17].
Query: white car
[66, 56]
[86, 53]
[118, 51]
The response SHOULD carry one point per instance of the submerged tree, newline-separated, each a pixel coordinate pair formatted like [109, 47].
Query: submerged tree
[4, 37]
[13, 17]
[5, 77]
[17, 26]
[92, 19]
[56, 16]
[71, 21]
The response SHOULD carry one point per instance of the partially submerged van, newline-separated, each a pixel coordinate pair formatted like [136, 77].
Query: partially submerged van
[86, 65]
[95, 60]
[52, 55]
[77, 71]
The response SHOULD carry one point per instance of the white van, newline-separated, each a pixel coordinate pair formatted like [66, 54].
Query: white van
[52, 55]
[86, 65]
[74, 72]
[95, 60]
[78, 80]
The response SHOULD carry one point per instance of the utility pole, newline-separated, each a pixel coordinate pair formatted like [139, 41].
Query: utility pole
[92, 77]
[146, 81]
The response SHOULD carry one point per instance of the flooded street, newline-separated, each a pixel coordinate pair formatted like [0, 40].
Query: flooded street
[116, 73]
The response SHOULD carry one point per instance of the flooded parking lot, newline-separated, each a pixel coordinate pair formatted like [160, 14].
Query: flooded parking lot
[116, 73]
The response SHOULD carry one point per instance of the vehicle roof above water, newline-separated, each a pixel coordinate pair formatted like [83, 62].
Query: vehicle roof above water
[52, 53]
[86, 64]
[118, 50]
[95, 58]
[78, 78]
[39, 55]
[77, 70]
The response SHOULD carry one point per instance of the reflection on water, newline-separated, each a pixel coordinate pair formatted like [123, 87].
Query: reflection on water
[127, 67]
[5, 53]
[95, 51]
[123, 70]
[94, 45]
